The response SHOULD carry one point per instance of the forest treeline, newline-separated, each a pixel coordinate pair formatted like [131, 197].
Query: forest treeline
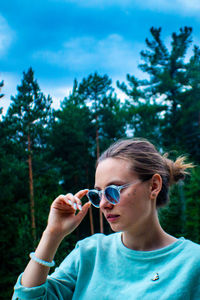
[46, 152]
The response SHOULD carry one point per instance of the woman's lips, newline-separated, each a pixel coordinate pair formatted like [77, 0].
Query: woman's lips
[112, 218]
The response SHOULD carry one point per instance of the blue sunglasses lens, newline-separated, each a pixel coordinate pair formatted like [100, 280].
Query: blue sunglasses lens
[94, 198]
[112, 195]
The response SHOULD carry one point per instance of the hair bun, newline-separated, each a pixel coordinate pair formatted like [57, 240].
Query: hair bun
[177, 169]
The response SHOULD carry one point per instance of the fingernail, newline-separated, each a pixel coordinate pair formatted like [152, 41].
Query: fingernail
[80, 207]
[75, 206]
[70, 202]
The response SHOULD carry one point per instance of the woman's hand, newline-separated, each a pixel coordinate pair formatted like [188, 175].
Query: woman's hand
[61, 222]
[62, 217]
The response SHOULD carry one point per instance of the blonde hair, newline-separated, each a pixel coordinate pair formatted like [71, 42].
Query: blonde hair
[146, 161]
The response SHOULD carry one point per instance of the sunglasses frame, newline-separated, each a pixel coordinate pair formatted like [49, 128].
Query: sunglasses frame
[102, 192]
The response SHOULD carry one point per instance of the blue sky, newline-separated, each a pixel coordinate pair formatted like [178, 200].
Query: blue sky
[64, 39]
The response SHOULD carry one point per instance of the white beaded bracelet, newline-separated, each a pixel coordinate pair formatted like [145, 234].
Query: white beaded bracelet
[40, 261]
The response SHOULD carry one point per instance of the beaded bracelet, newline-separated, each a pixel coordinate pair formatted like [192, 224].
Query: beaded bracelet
[40, 261]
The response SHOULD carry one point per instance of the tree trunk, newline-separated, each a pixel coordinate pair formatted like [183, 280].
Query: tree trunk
[32, 203]
[90, 209]
[91, 221]
[98, 154]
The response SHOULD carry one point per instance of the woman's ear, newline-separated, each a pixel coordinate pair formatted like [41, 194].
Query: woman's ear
[156, 185]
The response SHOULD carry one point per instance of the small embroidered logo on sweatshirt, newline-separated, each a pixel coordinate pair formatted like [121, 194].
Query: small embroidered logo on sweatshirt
[155, 277]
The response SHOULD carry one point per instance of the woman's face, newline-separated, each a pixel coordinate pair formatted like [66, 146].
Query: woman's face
[135, 209]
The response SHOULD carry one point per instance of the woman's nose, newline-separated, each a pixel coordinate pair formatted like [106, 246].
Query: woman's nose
[104, 203]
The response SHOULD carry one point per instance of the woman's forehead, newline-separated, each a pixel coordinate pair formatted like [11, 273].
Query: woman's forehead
[114, 162]
[113, 169]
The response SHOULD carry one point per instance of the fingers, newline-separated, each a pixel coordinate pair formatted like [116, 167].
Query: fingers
[81, 193]
[72, 200]
[75, 199]
[63, 214]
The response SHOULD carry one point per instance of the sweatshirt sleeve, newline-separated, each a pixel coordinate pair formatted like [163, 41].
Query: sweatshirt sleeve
[59, 285]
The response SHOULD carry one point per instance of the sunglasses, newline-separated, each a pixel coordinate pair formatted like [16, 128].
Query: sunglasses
[111, 193]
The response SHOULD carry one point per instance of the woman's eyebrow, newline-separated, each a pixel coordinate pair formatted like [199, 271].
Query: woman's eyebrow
[97, 188]
[113, 182]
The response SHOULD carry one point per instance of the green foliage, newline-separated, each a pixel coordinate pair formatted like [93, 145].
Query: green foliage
[14, 206]
[71, 139]
[106, 111]
[163, 108]
[182, 215]
[143, 112]
[175, 81]
[192, 193]
[29, 111]
[28, 114]
[172, 216]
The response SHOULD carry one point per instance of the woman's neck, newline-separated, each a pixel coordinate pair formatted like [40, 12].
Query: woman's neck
[148, 237]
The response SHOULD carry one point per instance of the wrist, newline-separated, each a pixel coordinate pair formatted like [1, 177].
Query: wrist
[52, 235]
[48, 245]
[44, 263]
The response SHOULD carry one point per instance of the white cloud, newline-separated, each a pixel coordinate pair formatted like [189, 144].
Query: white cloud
[187, 5]
[113, 55]
[190, 4]
[6, 36]
[57, 93]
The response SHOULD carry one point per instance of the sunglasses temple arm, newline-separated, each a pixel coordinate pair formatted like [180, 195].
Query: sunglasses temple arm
[123, 186]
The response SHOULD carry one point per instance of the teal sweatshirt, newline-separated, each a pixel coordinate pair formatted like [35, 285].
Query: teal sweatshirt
[102, 268]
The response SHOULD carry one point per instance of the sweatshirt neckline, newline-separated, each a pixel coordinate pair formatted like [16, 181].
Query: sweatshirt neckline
[149, 254]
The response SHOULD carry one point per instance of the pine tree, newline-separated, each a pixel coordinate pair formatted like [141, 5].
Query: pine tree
[26, 119]
[93, 89]
[1, 95]
[143, 112]
[189, 121]
[97, 92]
[165, 107]
[168, 79]
[74, 131]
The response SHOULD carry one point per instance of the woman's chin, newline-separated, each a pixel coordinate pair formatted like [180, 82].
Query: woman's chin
[115, 227]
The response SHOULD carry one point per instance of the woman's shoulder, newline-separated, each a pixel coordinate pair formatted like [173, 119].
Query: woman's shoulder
[192, 246]
[191, 251]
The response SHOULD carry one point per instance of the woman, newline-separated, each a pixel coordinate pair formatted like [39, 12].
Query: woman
[140, 260]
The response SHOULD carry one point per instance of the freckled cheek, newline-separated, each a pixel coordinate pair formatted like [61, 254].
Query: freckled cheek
[130, 198]
[132, 193]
